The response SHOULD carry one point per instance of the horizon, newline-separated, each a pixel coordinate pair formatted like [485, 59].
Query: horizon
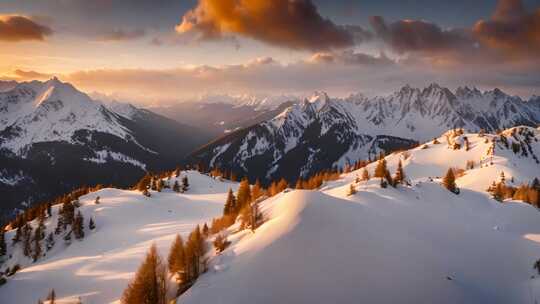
[178, 50]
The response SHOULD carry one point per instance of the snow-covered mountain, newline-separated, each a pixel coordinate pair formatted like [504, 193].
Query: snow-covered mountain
[416, 243]
[54, 137]
[221, 114]
[322, 132]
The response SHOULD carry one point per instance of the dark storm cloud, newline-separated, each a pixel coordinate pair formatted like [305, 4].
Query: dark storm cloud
[15, 28]
[294, 24]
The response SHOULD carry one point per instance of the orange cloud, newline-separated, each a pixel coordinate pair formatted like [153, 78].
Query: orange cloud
[31, 75]
[511, 29]
[14, 28]
[294, 24]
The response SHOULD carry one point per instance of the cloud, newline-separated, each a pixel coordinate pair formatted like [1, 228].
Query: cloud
[14, 28]
[349, 57]
[338, 73]
[123, 35]
[31, 75]
[512, 30]
[294, 24]
[405, 36]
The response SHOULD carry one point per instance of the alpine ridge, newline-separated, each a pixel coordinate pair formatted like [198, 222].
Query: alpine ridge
[295, 143]
[54, 138]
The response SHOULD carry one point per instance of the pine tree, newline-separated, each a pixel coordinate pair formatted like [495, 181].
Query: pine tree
[244, 194]
[176, 258]
[185, 184]
[37, 244]
[27, 240]
[389, 180]
[449, 181]
[299, 184]
[144, 182]
[49, 209]
[352, 190]
[245, 216]
[176, 186]
[150, 282]
[68, 214]
[380, 170]
[49, 241]
[17, 237]
[159, 185]
[498, 192]
[3, 246]
[97, 200]
[51, 297]
[78, 226]
[91, 224]
[230, 204]
[146, 193]
[400, 175]
[205, 230]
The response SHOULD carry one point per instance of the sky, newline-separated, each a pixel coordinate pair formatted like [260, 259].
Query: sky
[153, 51]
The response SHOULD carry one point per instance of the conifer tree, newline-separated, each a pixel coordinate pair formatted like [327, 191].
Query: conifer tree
[91, 224]
[68, 214]
[245, 216]
[380, 170]
[17, 237]
[27, 240]
[244, 194]
[49, 241]
[185, 184]
[205, 230]
[49, 209]
[159, 185]
[97, 200]
[282, 185]
[146, 193]
[150, 282]
[230, 204]
[78, 226]
[51, 297]
[144, 182]
[299, 185]
[449, 181]
[352, 190]
[257, 190]
[3, 246]
[176, 186]
[37, 244]
[400, 175]
[389, 179]
[176, 259]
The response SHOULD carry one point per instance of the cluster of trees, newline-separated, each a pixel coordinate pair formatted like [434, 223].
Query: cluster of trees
[31, 235]
[528, 193]
[157, 182]
[382, 172]
[185, 262]
[317, 180]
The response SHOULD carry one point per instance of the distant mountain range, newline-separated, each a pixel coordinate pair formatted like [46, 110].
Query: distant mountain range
[322, 132]
[54, 138]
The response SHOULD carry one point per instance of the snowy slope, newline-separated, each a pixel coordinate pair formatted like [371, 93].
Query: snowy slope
[98, 268]
[412, 244]
[417, 244]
